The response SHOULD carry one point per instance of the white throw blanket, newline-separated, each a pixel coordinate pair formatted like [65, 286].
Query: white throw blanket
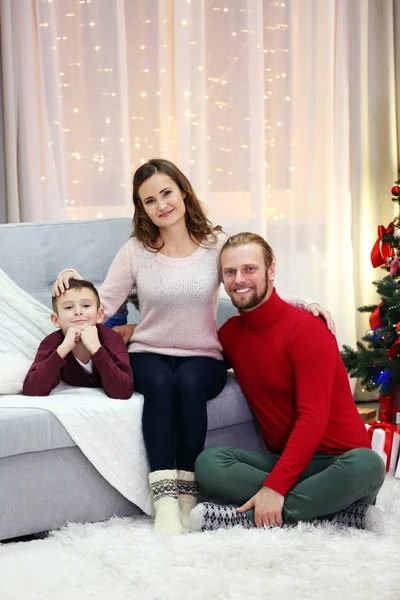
[24, 322]
[108, 432]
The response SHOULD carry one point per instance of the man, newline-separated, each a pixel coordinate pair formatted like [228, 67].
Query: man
[320, 463]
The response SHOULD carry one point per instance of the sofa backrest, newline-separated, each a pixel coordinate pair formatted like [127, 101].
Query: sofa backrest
[33, 254]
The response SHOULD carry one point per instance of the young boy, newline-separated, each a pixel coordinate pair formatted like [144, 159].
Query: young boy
[84, 352]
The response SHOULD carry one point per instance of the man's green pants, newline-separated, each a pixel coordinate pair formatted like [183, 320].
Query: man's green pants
[330, 482]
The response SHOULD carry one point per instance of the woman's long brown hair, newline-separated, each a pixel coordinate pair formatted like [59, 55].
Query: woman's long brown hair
[200, 228]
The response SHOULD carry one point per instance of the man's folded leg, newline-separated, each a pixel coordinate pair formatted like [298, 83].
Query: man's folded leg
[334, 483]
[335, 488]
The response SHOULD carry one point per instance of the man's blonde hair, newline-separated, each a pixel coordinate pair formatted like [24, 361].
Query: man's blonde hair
[243, 238]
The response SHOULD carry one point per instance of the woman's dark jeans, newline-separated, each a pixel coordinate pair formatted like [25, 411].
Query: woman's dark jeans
[176, 391]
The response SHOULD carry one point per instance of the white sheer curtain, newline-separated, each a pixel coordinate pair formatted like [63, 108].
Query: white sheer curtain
[282, 114]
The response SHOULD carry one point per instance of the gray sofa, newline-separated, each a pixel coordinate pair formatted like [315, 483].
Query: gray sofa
[45, 480]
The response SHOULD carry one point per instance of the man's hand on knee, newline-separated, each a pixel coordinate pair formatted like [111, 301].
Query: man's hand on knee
[267, 505]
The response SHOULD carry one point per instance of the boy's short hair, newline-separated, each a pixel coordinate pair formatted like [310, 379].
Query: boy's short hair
[77, 284]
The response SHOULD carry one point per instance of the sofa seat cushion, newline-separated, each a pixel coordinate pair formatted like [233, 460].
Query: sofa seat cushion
[35, 430]
[230, 407]
[30, 430]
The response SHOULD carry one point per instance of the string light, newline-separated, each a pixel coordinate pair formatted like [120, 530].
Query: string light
[221, 111]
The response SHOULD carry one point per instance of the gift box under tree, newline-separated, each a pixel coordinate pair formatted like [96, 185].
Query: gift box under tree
[385, 440]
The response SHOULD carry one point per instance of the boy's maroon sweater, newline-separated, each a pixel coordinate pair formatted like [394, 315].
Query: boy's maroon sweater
[111, 367]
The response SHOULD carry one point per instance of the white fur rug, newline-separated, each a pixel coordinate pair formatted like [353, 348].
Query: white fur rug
[123, 559]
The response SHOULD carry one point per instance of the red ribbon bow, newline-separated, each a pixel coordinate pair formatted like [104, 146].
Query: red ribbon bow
[382, 250]
[393, 351]
[375, 317]
[385, 408]
[389, 430]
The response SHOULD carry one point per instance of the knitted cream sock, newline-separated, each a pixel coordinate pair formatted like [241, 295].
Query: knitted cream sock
[208, 516]
[163, 485]
[188, 489]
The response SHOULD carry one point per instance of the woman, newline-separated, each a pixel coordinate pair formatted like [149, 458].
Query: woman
[172, 258]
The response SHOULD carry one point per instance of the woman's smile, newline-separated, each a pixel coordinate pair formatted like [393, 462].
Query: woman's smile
[166, 213]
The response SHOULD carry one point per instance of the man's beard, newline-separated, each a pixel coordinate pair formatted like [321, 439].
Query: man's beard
[249, 303]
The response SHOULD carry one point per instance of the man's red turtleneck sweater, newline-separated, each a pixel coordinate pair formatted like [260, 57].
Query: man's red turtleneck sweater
[290, 370]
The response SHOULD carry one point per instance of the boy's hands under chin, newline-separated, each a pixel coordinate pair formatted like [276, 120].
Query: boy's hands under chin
[70, 342]
[90, 338]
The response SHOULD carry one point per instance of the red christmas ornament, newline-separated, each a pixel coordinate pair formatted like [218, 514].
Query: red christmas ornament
[396, 190]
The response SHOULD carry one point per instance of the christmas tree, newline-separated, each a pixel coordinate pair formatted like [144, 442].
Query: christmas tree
[376, 362]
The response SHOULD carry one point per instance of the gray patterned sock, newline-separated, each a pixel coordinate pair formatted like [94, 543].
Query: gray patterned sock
[208, 517]
[355, 516]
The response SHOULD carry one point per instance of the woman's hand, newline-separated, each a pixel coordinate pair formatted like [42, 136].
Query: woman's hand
[126, 331]
[62, 282]
[319, 311]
